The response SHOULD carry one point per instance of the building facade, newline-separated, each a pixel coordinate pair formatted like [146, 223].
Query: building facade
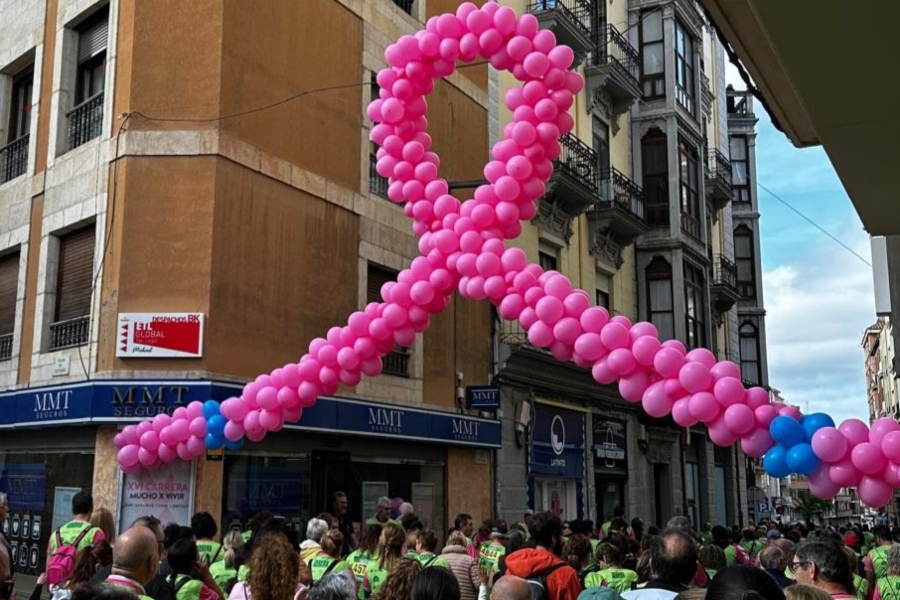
[881, 375]
[235, 202]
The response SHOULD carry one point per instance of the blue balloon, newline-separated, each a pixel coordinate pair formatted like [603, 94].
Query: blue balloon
[234, 445]
[216, 425]
[802, 459]
[214, 442]
[775, 462]
[210, 409]
[786, 431]
[814, 422]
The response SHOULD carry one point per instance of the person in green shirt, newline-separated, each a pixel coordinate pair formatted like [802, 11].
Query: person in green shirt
[611, 574]
[489, 556]
[390, 552]
[184, 560]
[205, 530]
[712, 558]
[257, 521]
[359, 558]
[330, 559]
[618, 513]
[225, 571]
[382, 514]
[82, 507]
[412, 538]
[877, 558]
[706, 536]
[426, 544]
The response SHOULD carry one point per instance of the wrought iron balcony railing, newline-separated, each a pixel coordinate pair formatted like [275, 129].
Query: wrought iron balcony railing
[579, 161]
[396, 362]
[614, 48]
[85, 121]
[378, 185]
[14, 159]
[720, 168]
[618, 189]
[69, 333]
[724, 273]
[690, 226]
[6, 343]
[405, 5]
[579, 12]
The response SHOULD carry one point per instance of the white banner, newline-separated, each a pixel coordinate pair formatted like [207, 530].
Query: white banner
[166, 493]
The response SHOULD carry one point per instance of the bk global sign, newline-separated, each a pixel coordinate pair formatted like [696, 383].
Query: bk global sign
[160, 335]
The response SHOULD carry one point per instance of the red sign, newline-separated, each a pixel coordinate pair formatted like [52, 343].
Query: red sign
[160, 335]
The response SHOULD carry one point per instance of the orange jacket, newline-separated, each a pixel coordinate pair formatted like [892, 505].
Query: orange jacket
[562, 584]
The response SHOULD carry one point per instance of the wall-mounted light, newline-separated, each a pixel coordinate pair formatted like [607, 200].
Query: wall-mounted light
[523, 420]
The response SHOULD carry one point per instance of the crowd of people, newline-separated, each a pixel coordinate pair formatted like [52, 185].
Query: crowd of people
[539, 558]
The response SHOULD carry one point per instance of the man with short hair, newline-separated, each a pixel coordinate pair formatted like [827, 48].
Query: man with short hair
[875, 563]
[382, 514]
[310, 548]
[426, 544]
[78, 529]
[7, 583]
[340, 508]
[205, 529]
[773, 560]
[824, 565]
[463, 523]
[526, 521]
[158, 588]
[673, 559]
[543, 562]
[135, 561]
[510, 587]
[618, 513]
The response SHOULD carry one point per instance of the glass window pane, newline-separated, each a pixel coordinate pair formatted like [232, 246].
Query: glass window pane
[654, 62]
[738, 148]
[652, 26]
[661, 295]
[665, 324]
[739, 173]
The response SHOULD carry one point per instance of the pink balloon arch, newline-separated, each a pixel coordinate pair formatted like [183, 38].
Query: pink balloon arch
[462, 249]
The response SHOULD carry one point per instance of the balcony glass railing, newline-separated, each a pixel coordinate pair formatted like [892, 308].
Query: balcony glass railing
[14, 159]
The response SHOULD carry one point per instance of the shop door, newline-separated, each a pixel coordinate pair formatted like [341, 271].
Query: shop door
[329, 472]
[610, 494]
[556, 496]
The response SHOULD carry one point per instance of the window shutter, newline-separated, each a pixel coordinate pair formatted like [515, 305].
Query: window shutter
[9, 285]
[93, 35]
[76, 274]
[377, 277]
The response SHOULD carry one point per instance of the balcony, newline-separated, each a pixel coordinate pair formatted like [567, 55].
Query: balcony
[396, 362]
[618, 218]
[14, 159]
[724, 289]
[85, 121]
[572, 188]
[378, 185]
[570, 21]
[69, 333]
[612, 77]
[405, 5]
[6, 343]
[691, 226]
[719, 188]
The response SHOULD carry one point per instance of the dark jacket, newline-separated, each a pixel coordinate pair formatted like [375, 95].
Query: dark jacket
[779, 577]
[158, 588]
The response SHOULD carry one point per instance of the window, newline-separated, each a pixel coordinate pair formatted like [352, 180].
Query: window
[740, 168]
[374, 88]
[684, 68]
[9, 288]
[745, 260]
[396, 362]
[602, 299]
[14, 155]
[86, 118]
[689, 189]
[601, 145]
[653, 63]
[655, 161]
[750, 363]
[547, 260]
[601, 295]
[695, 306]
[659, 297]
[73, 289]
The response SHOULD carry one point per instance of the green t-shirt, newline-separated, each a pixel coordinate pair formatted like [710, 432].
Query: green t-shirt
[374, 579]
[860, 586]
[244, 573]
[222, 574]
[246, 535]
[752, 547]
[879, 556]
[432, 560]
[374, 521]
[69, 532]
[357, 560]
[620, 580]
[888, 587]
[489, 557]
[730, 555]
[411, 554]
[706, 537]
[186, 588]
[322, 565]
[209, 551]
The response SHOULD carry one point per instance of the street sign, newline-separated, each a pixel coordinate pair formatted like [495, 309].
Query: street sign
[762, 508]
[482, 396]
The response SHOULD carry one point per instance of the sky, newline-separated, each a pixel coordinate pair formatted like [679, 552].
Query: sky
[818, 296]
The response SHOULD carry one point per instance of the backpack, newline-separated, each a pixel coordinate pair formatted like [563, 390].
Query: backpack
[538, 582]
[62, 563]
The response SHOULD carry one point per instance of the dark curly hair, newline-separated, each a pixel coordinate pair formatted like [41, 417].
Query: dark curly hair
[399, 583]
[577, 551]
[274, 568]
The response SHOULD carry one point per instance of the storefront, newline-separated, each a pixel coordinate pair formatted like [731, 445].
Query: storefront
[610, 464]
[365, 449]
[556, 461]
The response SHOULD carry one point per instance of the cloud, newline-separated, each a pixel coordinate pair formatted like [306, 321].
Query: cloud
[818, 302]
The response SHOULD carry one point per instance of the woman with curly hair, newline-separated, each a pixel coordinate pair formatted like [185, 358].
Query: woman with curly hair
[274, 571]
[399, 583]
[389, 554]
[712, 558]
[577, 552]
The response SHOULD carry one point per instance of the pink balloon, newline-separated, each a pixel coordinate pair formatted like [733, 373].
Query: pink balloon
[615, 335]
[549, 309]
[256, 436]
[704, 407]
[128, 455]
[702, 356]
[150, 441]
[656, 402]
[251, 421]
[890, 445]
[867, 458]
[196, 446]
[576, 303]
[540, 335]
[197, 427]
[891, 475]
[855, 431]
[633, 387]
[234, 431]
[287, 398]
[757, 442]
[725, 368]
[621, 362]
[740, 419]
[668, 362]
[880, 428]
[567, 330]
[694, 377]
[180, 429]
[194, 410]
[130, 436]
[764, 415]
[821, 485]
[790, 411]
[233, 409]
[720, 434]
[161, 421]
[589, 347]
[757, 396]
[271, 420]
[147, 457]
[118, 442]
[681, 413]
[729, 391]
[166, 453]
[830, 445]
[844, 474]
[143, 427]
[874, 492]
[645, 349]
[602, 373]
[643, 329]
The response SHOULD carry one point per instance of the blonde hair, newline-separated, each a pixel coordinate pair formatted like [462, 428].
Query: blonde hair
[801, 591]
[233, 542]
[457, 538]
[103, 520]
[332, 543]
[390, 546]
